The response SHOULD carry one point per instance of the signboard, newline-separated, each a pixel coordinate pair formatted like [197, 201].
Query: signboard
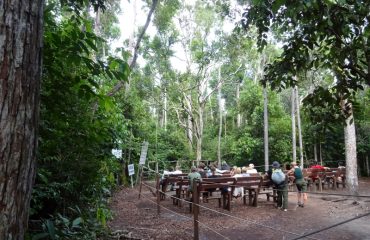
[131, 169]
[144, 151]
[117, 153]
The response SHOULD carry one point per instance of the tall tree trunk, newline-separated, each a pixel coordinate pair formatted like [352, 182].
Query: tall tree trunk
[367, 166]
[315, 152]
[294, 144]
[190, 127]
[220, 125]
[266, 128]
[200, 133]
[21, 31]
[299, 127]
[320, 156]
[350, 152]
[225, 125]
[165, 109]
[211, 110]
[239, 116]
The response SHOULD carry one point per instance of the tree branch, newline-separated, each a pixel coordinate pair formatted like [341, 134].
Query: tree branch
[120, 84]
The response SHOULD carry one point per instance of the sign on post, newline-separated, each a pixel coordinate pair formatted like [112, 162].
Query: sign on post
[117, 153]
[144, 151]
[131, 169]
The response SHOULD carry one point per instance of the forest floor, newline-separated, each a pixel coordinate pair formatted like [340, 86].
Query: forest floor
[139, 218]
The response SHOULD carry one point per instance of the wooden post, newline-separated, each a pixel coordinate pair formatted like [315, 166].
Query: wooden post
[141, 181]
[195, 209]
[158, 195]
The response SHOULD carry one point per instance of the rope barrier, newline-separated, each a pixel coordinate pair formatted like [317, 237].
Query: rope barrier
[281, 230]
[213, 230]
[186, 217]
[237, 218]
[332, 226]
[304, 236]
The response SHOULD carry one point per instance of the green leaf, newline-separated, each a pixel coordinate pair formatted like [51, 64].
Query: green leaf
[51, 229]
[76, 222]
[40, 236]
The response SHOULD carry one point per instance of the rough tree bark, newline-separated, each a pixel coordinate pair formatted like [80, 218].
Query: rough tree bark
[21, 31]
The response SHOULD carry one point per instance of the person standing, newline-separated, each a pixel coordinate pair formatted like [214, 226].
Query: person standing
[280, 181]
[300, 183]
[194, 174]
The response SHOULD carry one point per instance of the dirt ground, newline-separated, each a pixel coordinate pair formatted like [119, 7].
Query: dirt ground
[139, 217]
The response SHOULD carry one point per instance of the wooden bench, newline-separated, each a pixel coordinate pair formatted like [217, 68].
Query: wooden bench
[252, 184]
[267, 188]
[216, 184]
[170, 179]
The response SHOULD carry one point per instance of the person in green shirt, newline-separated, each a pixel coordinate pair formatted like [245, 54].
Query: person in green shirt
[194, 174]
[300, 183]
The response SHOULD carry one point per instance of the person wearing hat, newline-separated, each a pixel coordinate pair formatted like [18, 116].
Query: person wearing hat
[194, 174]
[281, 187]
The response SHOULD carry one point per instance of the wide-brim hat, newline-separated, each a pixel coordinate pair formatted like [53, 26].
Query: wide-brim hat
[275, 164]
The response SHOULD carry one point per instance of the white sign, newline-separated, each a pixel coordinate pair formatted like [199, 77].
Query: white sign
[117, 153]
[144, 150]
[131, 169]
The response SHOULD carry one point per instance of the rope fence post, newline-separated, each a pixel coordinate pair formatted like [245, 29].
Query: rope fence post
[158, 196]
[141, 180]
[195, 209]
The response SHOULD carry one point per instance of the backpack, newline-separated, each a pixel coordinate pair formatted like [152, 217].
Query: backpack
[278, 177]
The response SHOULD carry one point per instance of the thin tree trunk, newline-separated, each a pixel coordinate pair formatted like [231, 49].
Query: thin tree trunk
[225, 124]
[21, 34]
[299, 127]
[165, 110]
[367, 166]
[239, 117]
[190, 125]
[320, 148]
[220, 126]
[266, 128]
[294, 144]
[219, 129]
[315, 152]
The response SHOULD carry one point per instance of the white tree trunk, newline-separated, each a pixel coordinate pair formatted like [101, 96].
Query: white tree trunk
[219, 128]
[199, 136]
[220, 114]
[351, 155]
[266, 128]
[315, 152]
[294, 144]
[239, 117]
[299, 127]
[165, 110]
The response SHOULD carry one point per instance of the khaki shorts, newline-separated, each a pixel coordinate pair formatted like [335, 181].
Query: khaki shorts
[301, 185]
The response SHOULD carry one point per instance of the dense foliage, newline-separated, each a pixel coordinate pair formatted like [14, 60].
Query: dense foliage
[167, 106]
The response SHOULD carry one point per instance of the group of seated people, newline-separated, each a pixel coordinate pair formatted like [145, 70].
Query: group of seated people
[211, 171]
